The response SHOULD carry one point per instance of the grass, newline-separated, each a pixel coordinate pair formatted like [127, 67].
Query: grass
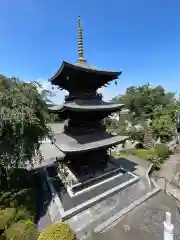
[157, 155]
[121, 154]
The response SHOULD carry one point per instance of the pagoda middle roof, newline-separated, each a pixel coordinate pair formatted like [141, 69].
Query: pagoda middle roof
[83, 143]
[67, 70]
[88, 105]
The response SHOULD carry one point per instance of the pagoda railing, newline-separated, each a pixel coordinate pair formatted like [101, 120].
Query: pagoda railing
[86, 96]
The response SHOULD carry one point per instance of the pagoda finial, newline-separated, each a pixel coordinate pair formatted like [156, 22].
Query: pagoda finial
[80, 43]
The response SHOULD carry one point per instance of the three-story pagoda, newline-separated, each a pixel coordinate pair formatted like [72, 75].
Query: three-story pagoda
[85, 142]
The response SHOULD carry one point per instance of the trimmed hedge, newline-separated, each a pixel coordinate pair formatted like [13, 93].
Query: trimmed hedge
[57, 231]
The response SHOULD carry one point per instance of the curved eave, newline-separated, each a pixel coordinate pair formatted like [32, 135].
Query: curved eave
[55, 108]
[76, 147]
[104, 107]
[87, 68]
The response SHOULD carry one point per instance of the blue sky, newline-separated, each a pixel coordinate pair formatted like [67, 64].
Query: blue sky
[140, 37]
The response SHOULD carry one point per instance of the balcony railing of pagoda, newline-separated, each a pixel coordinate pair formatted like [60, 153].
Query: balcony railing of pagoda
[87, 96]
[83, 128]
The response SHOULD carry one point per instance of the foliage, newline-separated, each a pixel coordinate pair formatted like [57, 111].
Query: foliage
[14, 224]
[164, 127]
[142, 100]
[110, 123]
[154, 103]
[6, 216]
[155, 155]
[155, 159]
[21, 230]
[136, 134]
[18, 200]
[150, 155]
[23, 118]
[59, 231]
[162, 150]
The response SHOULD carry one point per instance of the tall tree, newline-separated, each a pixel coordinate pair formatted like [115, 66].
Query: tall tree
[143, 99]
[154, 103]
[23, 118]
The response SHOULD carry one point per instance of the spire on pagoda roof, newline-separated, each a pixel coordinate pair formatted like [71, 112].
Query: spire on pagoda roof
[66, 76]
[80, 43]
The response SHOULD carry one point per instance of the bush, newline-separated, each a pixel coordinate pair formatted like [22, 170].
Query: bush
[136, 134]
[6, 216]
[155, 159]
[57, 231]
[162, 150]
[22, 230]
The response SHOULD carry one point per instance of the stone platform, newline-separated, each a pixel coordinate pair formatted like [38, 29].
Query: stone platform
[82, 214]
[83, 178]
[71, 204]
[107, 211]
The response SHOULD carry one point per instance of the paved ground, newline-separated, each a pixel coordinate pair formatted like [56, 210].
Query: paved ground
[169, 171]
[145, 222]
[170, 167]
[101, 212]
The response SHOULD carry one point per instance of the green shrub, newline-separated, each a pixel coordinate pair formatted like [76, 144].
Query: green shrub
[6, 216]
[22, 230]
[162, 150]
[22, 214]
[155, 159]
[57, 231]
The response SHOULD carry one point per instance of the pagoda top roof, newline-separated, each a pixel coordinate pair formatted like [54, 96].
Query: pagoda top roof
[68, 69]
[83, 143]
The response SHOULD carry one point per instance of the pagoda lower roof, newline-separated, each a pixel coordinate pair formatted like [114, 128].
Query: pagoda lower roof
[88, 142]
[69, 74]
[88, 105]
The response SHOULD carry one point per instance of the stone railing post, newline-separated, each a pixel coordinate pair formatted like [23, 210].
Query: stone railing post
[168, 227]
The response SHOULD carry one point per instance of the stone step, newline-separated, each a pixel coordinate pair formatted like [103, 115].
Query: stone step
[98, 215]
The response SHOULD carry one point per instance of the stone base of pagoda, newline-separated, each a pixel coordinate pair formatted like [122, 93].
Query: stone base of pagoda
[72, 197]
[82, 178]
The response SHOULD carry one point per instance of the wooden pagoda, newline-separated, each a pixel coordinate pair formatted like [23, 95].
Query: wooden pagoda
[84, 140]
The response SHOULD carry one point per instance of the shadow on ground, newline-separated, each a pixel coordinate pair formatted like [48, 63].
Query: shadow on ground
[126, 164]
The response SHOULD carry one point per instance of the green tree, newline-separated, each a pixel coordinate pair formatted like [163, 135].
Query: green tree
[23, 118]
[143, 99]
[154, 103]
[164, 127]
